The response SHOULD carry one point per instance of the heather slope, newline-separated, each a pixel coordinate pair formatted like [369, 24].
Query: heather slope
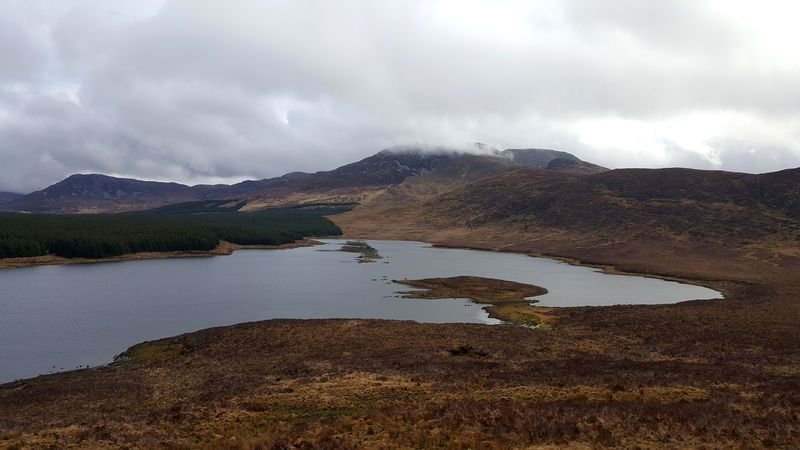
[681, 205]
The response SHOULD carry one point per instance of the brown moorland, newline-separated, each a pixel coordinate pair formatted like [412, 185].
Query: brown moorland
[715, 373]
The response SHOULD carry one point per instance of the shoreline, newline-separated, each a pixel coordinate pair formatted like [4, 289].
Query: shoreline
[721, 286]
[224, 248]
[543, 315]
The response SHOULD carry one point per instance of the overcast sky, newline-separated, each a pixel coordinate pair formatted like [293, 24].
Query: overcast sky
[211, 91]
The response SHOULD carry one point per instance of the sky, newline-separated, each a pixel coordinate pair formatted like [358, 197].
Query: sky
[201, 91]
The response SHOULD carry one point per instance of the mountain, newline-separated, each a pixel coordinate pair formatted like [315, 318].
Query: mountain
[101, 193]
[6, 197]
[677, 207]
[433, 171]
[683, 203]
[536, 158]
[355, 182]
[575, 166]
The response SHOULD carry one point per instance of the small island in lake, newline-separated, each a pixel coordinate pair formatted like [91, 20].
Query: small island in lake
[510, 301]
[368, 253]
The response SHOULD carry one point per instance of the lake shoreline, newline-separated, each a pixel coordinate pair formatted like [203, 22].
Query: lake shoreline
[724, 287]
[223, 249]
[251, 274]
[227, 248]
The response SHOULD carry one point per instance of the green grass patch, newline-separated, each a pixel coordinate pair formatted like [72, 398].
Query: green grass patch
[308, 413]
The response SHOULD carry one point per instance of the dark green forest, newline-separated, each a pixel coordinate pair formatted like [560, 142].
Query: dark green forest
[183, 227]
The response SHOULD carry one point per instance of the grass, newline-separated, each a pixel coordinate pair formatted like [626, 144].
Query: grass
[315, 384]
[325, 413]
[521, 314]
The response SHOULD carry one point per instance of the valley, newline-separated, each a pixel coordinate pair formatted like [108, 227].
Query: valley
[713, 373]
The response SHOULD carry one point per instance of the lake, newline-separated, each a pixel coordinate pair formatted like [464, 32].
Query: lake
[56, 318]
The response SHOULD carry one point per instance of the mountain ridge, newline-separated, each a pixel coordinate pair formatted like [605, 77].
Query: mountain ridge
[6, 197]
[354, 182]
[677, 207]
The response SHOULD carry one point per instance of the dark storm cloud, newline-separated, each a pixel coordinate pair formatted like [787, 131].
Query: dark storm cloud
[198, 92]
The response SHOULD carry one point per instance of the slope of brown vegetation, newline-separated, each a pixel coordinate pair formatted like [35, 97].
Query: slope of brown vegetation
[312, 384]
[715, 208]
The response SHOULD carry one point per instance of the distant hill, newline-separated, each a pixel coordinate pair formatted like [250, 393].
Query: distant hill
[370, 176]
[440, 168]
[101, 193]
[679, 202]
[575, 166]
[670, 205]
[6, 197]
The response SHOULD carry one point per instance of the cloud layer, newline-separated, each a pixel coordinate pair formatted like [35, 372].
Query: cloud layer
[197, 91]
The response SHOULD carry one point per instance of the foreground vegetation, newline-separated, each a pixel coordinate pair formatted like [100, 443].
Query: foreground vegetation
[315, 384]
[196, 226]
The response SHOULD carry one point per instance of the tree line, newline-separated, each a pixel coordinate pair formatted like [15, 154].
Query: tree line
[193, 226]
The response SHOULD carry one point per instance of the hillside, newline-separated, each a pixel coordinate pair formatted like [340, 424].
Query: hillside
[355, 182]
[100, 193]
[680, 203]
[536, 158]
[6, 197]
[663, 211]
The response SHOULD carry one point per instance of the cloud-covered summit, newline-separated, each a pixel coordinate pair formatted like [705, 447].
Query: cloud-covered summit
[201, 91]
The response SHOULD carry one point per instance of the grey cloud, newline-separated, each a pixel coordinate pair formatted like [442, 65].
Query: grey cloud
[22, 53]
[200, 92]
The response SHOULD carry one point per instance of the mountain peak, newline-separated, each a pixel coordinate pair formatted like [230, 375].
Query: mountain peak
[472, 148]
[537, 158]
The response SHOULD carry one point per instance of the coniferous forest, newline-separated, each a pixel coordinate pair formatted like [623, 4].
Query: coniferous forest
[197, 226]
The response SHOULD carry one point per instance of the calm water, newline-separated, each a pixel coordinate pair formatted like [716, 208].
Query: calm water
[62, 317]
